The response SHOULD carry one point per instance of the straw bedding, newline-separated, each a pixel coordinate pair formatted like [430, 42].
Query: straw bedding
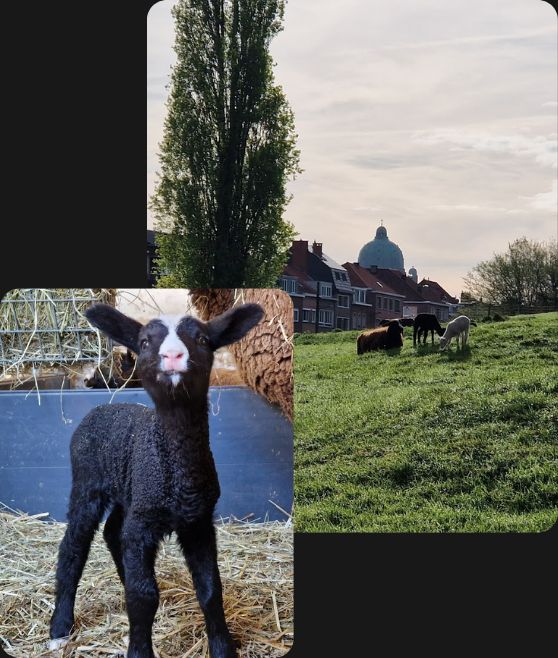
[255, 560]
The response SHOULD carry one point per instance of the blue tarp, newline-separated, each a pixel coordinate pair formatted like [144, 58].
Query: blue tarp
[252, 444]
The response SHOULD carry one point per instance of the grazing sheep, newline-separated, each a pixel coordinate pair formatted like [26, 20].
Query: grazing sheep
[454, 329]
[153, 470]
[423, 323]
[381, 338]
[404, 322]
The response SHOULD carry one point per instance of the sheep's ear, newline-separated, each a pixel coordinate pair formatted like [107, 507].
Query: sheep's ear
[115, 325]
[233, 325]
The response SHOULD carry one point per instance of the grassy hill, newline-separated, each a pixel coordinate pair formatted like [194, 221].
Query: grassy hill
[429, 441]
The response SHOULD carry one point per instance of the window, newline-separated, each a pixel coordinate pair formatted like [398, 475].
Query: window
[343, 323]
[359, 320]
[397, 304]
[343, 301]
[390, 304]
[325, 289]
[326, 318]
[359, 296]
[308, 315]
[295, 314]
[288, 285]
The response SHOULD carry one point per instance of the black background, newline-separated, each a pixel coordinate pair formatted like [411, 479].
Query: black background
[74, 214]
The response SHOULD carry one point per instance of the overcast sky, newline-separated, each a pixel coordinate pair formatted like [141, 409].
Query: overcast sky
[438, 117]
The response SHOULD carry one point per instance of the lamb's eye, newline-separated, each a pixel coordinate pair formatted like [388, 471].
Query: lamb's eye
[202, 340]
[144, 343]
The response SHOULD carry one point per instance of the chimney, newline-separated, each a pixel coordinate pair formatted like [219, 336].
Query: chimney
[299, 254]
[317, 249]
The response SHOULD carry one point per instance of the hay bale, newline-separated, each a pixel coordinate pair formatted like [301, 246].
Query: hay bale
[41, 329]
[264, 358]
[255, 561]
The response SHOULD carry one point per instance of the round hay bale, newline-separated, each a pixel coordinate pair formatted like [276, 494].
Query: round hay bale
[264, 358]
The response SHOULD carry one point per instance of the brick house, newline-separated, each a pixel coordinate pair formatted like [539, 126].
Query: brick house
[341, 289]
[445, 304]
[373, 300]
[319, 287]
[418, 297]
[295, 282]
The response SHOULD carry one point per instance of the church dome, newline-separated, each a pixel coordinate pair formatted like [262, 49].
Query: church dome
[381, 252]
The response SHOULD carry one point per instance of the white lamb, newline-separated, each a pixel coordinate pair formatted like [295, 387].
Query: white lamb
[459, 327]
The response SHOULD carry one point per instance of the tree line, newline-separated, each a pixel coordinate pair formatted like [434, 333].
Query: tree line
[526, 275]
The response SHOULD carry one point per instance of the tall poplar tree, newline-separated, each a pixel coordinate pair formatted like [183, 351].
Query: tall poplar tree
[228, 150]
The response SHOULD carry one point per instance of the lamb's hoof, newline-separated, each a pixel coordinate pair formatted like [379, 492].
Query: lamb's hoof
[126, 643]
[57, 643]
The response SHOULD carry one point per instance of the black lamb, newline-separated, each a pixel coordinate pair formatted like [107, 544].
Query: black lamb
[153, 470]
[424, 323]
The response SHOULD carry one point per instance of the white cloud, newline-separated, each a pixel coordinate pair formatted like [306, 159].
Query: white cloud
[541, 148]
[547, 201]
[367, 209]
[477, 209]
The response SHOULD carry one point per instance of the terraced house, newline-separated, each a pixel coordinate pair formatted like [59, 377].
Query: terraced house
[319, 287]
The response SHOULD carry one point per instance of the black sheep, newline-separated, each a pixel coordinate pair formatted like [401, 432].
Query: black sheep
[404, 322]
[153, 469]
[423, 323]
[380, 338]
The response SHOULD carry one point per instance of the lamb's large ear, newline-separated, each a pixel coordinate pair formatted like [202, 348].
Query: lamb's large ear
[115, 325]
[233, 324]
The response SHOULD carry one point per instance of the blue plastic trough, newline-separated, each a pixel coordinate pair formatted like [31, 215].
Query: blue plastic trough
[252, 444]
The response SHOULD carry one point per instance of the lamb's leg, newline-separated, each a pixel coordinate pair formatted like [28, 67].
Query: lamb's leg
[139, 550]
[83, 519]
[113, 538]
[200, 550]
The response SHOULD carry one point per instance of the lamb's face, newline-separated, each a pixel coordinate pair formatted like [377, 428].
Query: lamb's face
[175, 354]
[174, 351]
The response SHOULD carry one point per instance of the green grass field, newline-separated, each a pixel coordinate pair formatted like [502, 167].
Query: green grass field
[429, 441]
